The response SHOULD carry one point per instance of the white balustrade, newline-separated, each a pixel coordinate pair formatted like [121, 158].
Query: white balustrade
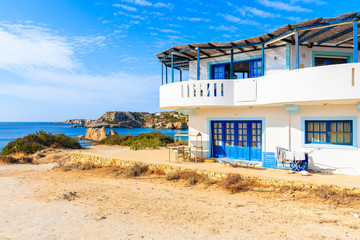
[301, 85]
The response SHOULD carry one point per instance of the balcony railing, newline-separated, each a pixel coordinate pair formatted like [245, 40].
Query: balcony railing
[309, 84]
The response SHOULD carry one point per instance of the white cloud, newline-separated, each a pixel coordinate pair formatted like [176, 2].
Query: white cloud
[142, 3]
[260, 13]
[50, 71]
[160, 4]
[225, 28]
[163, 30]
[317, 2]
[126, 7]
[230, 18]
[283, 6]
[238, 20]
[129, 15]
[145, 3]
[194, 19]
[27, 45]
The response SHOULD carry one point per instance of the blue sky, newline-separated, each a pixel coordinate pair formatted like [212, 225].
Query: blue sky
[63, 59]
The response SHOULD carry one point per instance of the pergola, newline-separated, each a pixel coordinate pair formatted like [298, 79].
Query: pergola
[341, 32]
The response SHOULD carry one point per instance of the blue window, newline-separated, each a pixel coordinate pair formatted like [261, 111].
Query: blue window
[324, 61]
[218, 71]
[241, 70]
[329, 132]
[255, 68]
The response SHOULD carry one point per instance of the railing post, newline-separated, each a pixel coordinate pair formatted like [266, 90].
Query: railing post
[356, 43]
[297, 64]
[180, 75]
[172, 67]
[162, 73]
[263, 60]
[198, 65]
[166, 73]
[232, 63]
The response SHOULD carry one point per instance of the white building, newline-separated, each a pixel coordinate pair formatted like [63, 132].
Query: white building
[305, 98]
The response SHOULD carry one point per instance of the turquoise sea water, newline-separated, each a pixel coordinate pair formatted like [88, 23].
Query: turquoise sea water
[9, 131]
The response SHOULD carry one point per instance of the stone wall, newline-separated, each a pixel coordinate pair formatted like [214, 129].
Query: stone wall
[215, 176]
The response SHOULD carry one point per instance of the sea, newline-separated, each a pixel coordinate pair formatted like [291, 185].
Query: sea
[10, 131]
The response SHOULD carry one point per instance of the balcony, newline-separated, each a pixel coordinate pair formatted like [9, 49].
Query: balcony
[327, 83]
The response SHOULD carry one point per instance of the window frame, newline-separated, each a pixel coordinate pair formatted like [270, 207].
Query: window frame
[327, 144]
[327, 131]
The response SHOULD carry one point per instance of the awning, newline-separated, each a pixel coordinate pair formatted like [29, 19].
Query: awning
[332, 32]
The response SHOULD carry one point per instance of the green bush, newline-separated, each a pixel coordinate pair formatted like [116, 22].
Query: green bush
[150, 140]
[35, 142]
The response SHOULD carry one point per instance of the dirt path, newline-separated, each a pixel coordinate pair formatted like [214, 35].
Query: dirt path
[32, 206]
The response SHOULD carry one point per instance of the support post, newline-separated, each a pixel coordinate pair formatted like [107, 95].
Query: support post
[263, 60]
[166, 77]
[297, 64]
[198, 65]
[232, 63]
[180, 75]
[172, 68]
[356, 43]
[162, 73]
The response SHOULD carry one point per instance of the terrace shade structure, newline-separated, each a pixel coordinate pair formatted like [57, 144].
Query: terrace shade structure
[340, 32]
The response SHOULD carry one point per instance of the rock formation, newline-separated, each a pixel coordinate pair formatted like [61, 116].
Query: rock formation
[96, 134]
[112, 132]
[116, 119]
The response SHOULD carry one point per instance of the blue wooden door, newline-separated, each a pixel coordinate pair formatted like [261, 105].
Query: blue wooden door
[218, 150]
[237, 139]
[243, 147]
[230, 147]
[256, 148]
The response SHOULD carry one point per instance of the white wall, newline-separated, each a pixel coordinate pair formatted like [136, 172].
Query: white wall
[345, 161]
[305, 54]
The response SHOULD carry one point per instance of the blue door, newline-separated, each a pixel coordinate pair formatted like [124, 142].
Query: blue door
[243, 148]
[256, 149]
[217, 139]
[237, 139]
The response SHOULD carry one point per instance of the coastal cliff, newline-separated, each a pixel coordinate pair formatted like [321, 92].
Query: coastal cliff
[117, 119]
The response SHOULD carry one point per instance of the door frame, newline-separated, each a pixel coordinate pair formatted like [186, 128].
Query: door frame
[209, 131]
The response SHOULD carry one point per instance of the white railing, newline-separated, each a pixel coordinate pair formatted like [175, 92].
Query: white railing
[197, 93]
[302, 85]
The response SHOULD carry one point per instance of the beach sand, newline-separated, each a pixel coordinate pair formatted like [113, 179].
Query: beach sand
[33, 206]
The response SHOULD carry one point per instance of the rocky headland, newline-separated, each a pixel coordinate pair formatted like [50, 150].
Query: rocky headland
[117, 119]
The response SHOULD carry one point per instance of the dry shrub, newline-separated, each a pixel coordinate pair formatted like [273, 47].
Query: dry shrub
[16, 160]
[117, 170]
[156, 171]
[25, 160]
[191, 177]
[172, 176]
[209, 181]
[192, 181]
[343, 196]
[324, 192]
[8, 160]
[86, 166]
[63, 165]
[136, 170]
[235, 183]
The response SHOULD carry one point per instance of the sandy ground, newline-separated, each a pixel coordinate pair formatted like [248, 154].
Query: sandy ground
[32, 206]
